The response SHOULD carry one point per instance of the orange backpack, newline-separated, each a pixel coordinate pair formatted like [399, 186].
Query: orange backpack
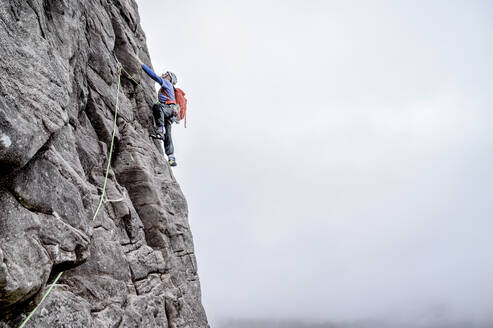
[182, 102]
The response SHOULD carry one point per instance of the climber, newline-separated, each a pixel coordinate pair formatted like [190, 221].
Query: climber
[165, 111]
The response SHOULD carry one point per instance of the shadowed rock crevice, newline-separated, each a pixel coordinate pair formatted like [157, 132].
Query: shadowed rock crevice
[134, 265]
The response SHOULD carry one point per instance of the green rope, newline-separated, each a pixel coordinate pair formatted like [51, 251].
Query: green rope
[132, 78]
[100, 199]
[44, 296]
[137, 83]
[111, 149]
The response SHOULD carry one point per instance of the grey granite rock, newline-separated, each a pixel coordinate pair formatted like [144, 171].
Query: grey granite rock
[134, 265]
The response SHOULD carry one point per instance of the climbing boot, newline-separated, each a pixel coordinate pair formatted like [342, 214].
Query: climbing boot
[158, 133]
[172, 161]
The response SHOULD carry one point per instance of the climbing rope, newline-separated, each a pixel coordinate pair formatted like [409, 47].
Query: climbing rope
[101, 198]
[44, 296]
[138, 84]
[111, 147]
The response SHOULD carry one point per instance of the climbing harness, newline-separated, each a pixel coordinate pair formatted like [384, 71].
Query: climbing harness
[101, 198]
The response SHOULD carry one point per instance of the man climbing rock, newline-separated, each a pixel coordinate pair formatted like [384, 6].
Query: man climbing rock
[165, 111]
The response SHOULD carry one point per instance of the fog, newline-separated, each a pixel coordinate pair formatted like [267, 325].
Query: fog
[251, 323]
[337, 160]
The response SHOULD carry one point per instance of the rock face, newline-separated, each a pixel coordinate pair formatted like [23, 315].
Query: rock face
[134, 265]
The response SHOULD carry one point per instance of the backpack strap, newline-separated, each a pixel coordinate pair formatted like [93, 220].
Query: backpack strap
[168, 100]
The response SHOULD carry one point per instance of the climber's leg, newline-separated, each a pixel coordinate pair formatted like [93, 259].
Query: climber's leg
[158, 114]
[168, 144]
[163, 115]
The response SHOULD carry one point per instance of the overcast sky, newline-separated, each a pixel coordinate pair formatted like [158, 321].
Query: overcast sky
[338, 159]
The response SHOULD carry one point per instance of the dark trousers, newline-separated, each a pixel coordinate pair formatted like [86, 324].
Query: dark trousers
[162, 115]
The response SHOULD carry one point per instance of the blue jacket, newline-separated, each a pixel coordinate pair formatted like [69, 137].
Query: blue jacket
[166, 86]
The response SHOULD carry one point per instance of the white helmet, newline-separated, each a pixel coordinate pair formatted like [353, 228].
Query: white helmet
[172, 76]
